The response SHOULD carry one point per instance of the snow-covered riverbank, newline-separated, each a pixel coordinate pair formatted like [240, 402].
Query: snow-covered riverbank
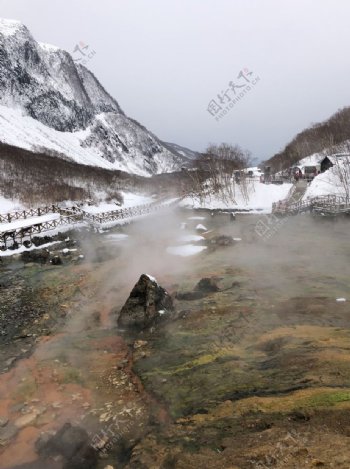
[259, 199]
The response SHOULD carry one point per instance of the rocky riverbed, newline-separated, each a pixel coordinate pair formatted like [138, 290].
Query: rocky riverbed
[250, 372]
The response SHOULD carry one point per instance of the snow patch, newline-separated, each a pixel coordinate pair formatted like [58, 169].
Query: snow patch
[152, 279]
[12, 252]
[185, 250]
[201, 227]
[190, 238]
[9, 205]
[116, 236]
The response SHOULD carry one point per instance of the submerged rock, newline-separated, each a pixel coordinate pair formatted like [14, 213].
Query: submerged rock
[207, 285]
[147, 303]
[190, 295]
[204, 287]
[56, 260]
[222, 240]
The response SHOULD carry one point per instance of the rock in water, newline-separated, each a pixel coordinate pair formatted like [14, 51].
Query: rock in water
[207, 285]
[147, 303]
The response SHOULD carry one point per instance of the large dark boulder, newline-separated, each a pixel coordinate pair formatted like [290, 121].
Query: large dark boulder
[71, 442]
[40, 256]
[147, 304]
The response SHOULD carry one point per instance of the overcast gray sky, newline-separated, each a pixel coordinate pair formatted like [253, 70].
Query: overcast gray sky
[164, 60]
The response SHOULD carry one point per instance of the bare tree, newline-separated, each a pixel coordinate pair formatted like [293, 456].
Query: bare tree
[219, 163]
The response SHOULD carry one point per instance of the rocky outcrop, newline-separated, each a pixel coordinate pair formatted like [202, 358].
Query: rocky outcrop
[147, 304]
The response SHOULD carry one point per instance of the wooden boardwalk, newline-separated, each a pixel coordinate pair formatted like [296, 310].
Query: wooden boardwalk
[30, 213]
[15, 234]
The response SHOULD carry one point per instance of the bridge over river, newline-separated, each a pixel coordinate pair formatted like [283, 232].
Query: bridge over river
[17, 228]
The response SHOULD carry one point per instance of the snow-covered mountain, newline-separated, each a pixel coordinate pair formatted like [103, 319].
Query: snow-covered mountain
[51, 104]
[186, 152]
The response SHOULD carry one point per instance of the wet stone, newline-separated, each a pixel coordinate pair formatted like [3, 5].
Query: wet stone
[7, 432]
[142, 308]
[25, 420]
[207, 285]
[3, 421]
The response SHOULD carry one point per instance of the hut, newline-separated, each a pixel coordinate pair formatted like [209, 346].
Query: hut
[326, 163]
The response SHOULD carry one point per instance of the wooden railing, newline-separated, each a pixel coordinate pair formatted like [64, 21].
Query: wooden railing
[30, 213]
[327, 203]
[18, 235]
[69, 216]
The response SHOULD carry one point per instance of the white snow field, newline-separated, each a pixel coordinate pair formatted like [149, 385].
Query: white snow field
[130, 200]
[261, 198]
[330, 182]
[25, 132]
[9, 205]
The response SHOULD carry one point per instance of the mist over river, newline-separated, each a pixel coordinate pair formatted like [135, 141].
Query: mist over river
[221, 383]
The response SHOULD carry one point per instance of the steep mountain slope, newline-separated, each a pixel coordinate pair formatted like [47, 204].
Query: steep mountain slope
[186, 152]
[49, 102]
[330, 133]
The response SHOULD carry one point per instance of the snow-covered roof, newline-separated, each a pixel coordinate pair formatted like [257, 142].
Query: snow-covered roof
[337, 157]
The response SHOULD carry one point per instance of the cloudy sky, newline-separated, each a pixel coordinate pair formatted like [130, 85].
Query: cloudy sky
[165, 60]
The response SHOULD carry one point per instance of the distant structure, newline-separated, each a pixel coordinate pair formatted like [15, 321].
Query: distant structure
[326, 163]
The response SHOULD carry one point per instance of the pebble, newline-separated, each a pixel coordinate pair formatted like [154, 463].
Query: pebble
[56, 405]
[3, 421]
[26, 420]
[10, 361]
[140, 343]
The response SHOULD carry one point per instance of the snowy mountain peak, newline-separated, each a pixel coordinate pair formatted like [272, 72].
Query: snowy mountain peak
[10, 27]
[44, 83]
[48, 47]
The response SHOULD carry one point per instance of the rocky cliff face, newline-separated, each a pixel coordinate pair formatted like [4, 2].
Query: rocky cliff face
[43, 82]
